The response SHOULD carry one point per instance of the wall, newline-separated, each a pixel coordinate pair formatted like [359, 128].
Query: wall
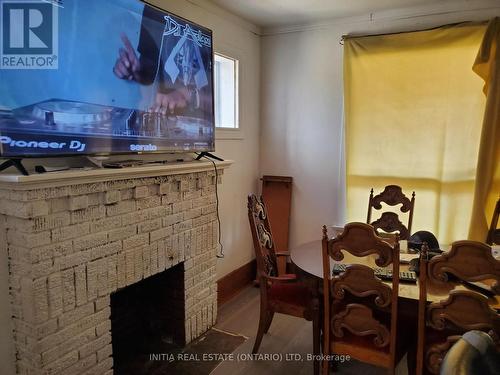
[302, 124]
[236, 38]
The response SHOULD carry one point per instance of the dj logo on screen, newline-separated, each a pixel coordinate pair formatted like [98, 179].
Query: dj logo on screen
[185, 57]
[29, 38]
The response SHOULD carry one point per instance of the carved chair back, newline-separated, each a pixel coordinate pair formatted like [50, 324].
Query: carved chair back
[462, 310]
[278, 294]
[493, 236]
[389, 221]
[262, 238]
[354, 299]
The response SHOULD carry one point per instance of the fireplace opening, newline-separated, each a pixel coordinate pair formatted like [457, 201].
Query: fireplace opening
[147, 318]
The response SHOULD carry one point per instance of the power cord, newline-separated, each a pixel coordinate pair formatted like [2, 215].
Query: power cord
[221, 252]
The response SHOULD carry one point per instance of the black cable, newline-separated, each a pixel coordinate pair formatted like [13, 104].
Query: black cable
[221, 253]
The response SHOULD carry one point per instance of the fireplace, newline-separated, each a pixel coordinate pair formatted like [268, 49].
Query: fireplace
[81, 245]
[147, 317]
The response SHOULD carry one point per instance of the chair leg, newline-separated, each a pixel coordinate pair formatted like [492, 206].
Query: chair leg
[270, 317]
[262, 328]
[316, 338]
[325, 367]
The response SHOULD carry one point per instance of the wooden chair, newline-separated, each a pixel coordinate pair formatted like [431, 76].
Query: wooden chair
[281, 255]
[277, 193]
[493, 237]
[441, 323]
[389, 221]
[278, 294]
[360, 310]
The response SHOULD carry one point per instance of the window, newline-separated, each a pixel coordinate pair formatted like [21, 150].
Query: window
[413, 117]
[226, 92]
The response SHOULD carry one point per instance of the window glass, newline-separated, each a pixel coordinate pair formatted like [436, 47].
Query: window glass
[226, 92]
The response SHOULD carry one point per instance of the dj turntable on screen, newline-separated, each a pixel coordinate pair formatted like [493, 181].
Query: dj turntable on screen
[175, 56]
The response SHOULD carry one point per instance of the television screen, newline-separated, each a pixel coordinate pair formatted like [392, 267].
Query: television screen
[102, 77]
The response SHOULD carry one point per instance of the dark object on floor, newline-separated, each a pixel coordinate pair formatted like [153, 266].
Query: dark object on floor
[198, 358]
[473, 354]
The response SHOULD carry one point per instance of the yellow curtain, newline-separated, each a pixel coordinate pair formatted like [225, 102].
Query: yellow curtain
[413, 113]
[487, 66]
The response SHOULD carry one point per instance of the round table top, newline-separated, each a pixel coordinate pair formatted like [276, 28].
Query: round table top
[308, 258]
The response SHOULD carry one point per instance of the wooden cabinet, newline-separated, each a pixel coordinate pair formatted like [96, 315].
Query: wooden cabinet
[277, 194]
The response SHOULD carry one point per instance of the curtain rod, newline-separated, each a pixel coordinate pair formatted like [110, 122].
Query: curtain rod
[352, 36]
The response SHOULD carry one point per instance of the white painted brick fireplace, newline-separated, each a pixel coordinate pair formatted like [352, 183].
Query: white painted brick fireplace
[75, 238]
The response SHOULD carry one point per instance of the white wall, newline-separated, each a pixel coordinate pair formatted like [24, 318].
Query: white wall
[302, 125]
[239, 39]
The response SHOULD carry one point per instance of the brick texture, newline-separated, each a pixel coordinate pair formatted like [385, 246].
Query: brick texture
[70, 247]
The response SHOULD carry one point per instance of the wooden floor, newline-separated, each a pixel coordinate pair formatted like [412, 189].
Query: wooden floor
[286, 335]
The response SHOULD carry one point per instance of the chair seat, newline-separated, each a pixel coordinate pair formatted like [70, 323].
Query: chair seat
[286, 296]
[362, 349]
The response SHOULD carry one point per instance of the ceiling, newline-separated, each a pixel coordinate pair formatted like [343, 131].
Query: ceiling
[271, 13]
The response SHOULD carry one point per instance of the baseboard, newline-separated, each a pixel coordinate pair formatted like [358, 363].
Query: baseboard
[230, 285]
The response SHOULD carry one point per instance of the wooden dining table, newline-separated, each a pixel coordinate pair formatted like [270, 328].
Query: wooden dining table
[308, 262]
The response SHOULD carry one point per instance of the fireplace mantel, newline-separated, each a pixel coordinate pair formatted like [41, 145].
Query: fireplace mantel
[72, 177]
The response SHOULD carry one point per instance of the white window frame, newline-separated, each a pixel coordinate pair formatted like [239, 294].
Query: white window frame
[237, 132]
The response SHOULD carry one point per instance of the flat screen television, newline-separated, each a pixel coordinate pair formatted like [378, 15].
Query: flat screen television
[98, 77]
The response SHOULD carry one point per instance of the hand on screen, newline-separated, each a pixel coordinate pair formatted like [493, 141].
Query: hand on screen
[127, 65]
[171, 102]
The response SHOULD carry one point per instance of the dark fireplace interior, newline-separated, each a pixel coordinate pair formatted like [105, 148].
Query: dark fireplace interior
[147, 318]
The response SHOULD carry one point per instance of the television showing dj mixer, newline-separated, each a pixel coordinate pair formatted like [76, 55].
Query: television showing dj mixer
[102, 77]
